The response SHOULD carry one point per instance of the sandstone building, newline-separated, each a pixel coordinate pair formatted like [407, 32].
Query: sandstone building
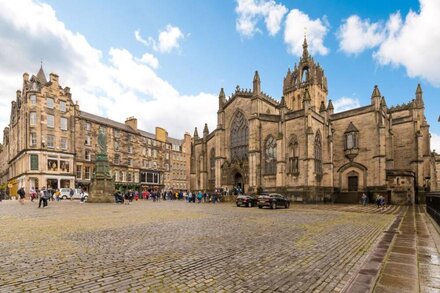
[51, 142]
[300, 147]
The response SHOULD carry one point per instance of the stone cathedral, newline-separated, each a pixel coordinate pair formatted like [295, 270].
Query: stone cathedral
[299, 147]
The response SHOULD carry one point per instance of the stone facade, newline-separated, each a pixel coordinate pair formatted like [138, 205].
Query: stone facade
[300, 147]
[51, 142]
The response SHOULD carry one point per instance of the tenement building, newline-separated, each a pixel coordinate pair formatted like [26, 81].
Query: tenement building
[51, 142]
[300, 147]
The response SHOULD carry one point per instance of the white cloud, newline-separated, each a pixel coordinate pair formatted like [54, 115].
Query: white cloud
[413, 42]
[316, 31]
[138, 37]
[251, 11]
[345, 103]
[168, 39]
[119, 87]
[150, 60]
[356, 35]
[435, 142]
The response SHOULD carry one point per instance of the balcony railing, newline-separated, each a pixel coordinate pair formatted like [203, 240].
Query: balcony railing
[433, 205]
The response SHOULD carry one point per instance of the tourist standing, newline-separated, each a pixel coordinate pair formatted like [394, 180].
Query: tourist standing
[364, 199]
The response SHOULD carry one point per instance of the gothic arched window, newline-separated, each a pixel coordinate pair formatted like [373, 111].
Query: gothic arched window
[270, 156]
[318, 155]
[212, 164]
[239, 137]
[293, 156]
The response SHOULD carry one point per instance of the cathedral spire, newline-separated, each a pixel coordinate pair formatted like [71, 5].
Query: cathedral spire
[221, 99]
[419, 96]
[205, 130]
[196, 134]
[330, 107]
[257, 83]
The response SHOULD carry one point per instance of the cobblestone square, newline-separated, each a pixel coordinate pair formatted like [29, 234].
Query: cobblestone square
[175, 246]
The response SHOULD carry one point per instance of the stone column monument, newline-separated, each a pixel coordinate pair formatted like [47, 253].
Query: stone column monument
[102, 187]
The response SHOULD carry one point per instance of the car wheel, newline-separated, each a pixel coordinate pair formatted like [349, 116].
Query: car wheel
[287, 205]
[237, 204]
[250, 204]
[260, 207]
[274, 205]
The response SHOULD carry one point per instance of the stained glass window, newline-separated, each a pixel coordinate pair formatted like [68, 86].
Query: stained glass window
[270, 152]
[293, 156]
[318, 154]
[239, 137]
[212, 163]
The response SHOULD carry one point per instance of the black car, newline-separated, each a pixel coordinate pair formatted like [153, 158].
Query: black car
[273, 200]
[246, 200]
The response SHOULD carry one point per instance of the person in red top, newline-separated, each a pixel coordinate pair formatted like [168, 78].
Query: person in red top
[144, 194]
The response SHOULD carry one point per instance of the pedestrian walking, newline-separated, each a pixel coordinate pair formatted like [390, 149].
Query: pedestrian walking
[21, 194]
[199, 197]
[44, 196]
[82, 196]
[33, 194]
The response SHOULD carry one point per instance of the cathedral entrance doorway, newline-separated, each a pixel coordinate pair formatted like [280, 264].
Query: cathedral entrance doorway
[238, 182]
[353, 183]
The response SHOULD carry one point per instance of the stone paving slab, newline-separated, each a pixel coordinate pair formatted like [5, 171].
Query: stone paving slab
[181, 247]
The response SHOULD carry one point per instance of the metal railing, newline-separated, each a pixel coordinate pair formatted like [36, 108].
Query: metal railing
[433, 205]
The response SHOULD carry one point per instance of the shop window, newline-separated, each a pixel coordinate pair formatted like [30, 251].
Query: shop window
[64, 166]
[52, 164]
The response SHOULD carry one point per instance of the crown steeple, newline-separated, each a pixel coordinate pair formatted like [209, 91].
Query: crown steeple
[305, 46]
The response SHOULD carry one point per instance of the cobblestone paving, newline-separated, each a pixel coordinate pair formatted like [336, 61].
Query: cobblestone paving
[180, 247]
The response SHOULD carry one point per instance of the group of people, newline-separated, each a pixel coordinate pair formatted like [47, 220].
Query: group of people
[44, 195]
[128, 196]
[380, 200]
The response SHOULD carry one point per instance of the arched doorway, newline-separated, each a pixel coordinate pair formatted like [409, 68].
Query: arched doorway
[238, 182]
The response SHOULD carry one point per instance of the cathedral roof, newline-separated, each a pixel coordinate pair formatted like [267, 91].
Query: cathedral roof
[41, 76]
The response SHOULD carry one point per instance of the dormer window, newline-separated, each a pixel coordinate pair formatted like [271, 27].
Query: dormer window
[351, 146]
[351, 137]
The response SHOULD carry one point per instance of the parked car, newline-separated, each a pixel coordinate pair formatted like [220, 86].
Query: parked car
[246, 200]
[273, 200]
[65, 194]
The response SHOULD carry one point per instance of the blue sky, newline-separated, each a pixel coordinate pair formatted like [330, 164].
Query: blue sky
[81, 40]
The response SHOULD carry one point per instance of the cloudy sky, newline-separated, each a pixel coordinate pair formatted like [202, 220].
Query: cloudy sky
[164, 62]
